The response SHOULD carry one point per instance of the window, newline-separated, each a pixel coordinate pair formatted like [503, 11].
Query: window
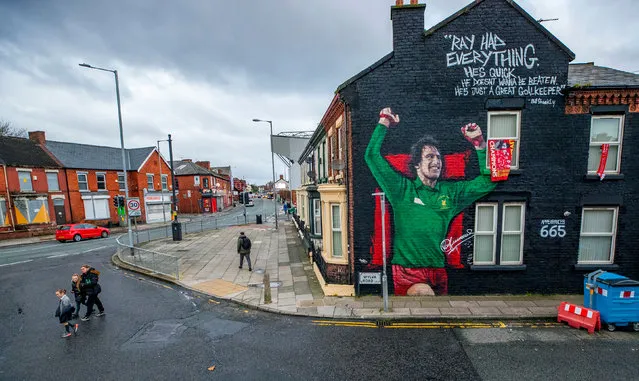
[96, 207]
[4, 219]
[317, 217]
[196, 180]
[205, 182]
[25, 181]
[121, 183]
[165, 182]
[83, 184]
[499, 239]
[605, 130]
[149, 182]
[337, 231]
[31, 211]
[101, 179]
[52, 181]
[505, 125]
[597, 237]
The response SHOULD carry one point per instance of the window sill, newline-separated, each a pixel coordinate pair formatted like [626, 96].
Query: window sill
[498, 267]
[594, 266]
[607, 177]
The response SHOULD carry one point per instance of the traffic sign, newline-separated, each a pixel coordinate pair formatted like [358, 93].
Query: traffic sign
[133, 205]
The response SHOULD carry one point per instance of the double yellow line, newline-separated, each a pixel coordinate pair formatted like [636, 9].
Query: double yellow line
[426, 325]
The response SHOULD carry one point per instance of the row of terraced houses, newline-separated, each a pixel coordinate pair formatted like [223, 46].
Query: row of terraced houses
[47, 183]
[569, 205]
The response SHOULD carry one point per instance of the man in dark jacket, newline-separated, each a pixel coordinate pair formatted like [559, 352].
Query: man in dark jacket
[244, 250]
[89, 286]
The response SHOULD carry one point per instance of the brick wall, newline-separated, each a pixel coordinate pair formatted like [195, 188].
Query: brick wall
[420, 85]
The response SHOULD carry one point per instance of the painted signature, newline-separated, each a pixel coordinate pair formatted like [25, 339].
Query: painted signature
[449, 245]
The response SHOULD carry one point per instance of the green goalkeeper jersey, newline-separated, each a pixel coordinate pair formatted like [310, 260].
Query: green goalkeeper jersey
[421, 213]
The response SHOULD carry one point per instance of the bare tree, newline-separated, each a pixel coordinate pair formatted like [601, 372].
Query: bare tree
[7, 130]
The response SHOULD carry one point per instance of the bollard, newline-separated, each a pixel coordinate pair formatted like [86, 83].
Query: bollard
[267, 288]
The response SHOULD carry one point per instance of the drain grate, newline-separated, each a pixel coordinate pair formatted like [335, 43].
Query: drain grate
[383, 323]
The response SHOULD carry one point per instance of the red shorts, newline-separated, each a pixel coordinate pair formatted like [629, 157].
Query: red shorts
[405, 277]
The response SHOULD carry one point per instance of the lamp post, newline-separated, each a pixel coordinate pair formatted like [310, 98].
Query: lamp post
[126, 182]
[175, 225]
[272, 164]
[161, 182]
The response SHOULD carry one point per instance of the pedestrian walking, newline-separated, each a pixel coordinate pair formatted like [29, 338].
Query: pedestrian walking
[65, 313]
[79, 297]
[244, 250]
[89, 285]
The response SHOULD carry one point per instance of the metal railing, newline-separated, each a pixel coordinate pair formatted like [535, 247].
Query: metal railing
[153, 261]
[162, 263]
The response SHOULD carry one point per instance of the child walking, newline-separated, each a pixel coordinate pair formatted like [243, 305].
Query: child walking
[64, 312]
[79, 296]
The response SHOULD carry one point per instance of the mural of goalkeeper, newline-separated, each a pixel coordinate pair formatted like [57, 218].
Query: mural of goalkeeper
[423, 207]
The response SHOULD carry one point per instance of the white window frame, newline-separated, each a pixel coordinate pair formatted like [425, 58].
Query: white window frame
[165, 182]
[613, 234]
[86, 181]
[317, 216]
[57, 181]
[121, 183]
[520, 232]
[336, 229]
[3, 216]
[104, 182]
[619, 143]
[150, 185]
[206, 182]
[514, 164]
[21, 171]
[492, 233]
[90, 200]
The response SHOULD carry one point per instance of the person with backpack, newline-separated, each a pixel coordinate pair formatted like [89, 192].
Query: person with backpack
[64, 313]
[244, 250]
[89, 286]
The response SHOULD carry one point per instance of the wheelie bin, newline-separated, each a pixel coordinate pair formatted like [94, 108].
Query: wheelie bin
[616, 297]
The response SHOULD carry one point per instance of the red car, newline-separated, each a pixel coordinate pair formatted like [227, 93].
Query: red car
[78, 232]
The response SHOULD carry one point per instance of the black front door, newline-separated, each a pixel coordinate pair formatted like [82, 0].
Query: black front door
[58, 207]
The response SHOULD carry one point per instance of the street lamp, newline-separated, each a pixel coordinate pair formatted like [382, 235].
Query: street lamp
[161, 182]
[126, 182]
[272, 164]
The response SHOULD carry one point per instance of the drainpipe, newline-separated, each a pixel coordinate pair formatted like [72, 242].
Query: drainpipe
[349, 189]
[9, 206]
[66, 180]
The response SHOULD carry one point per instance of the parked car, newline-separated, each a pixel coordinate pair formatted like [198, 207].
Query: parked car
[78, 232]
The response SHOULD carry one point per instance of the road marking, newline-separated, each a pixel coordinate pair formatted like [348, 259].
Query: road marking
[16, 263]
[97, 248]
[433, 325]
[58, 256]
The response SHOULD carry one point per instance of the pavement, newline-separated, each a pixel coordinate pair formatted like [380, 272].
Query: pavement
[209, 264]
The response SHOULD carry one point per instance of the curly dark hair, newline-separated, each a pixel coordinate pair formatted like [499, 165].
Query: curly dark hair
[416, 151]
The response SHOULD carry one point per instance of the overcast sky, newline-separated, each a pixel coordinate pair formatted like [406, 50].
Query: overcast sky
[202, 69]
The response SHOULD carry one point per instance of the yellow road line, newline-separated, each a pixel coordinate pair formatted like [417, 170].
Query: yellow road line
[432, 325]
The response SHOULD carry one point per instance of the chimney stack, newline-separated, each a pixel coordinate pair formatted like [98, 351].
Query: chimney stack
[37, 137]
[408, 26]
[204, 164]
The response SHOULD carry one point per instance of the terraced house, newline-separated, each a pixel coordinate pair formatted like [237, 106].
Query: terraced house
[33, 193]
[474, 158]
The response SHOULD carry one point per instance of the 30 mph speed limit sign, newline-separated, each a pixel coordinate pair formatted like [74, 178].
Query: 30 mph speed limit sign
[133, 206]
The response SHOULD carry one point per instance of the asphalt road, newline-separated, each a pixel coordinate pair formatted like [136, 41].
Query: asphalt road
[14, 255]
[158, 331]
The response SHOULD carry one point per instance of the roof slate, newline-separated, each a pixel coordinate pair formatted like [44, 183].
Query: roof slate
[587, 74]
[85, 156]
[182, 168]
[16, 151]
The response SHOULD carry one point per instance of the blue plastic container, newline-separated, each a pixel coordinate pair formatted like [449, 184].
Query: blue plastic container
[616, 297]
